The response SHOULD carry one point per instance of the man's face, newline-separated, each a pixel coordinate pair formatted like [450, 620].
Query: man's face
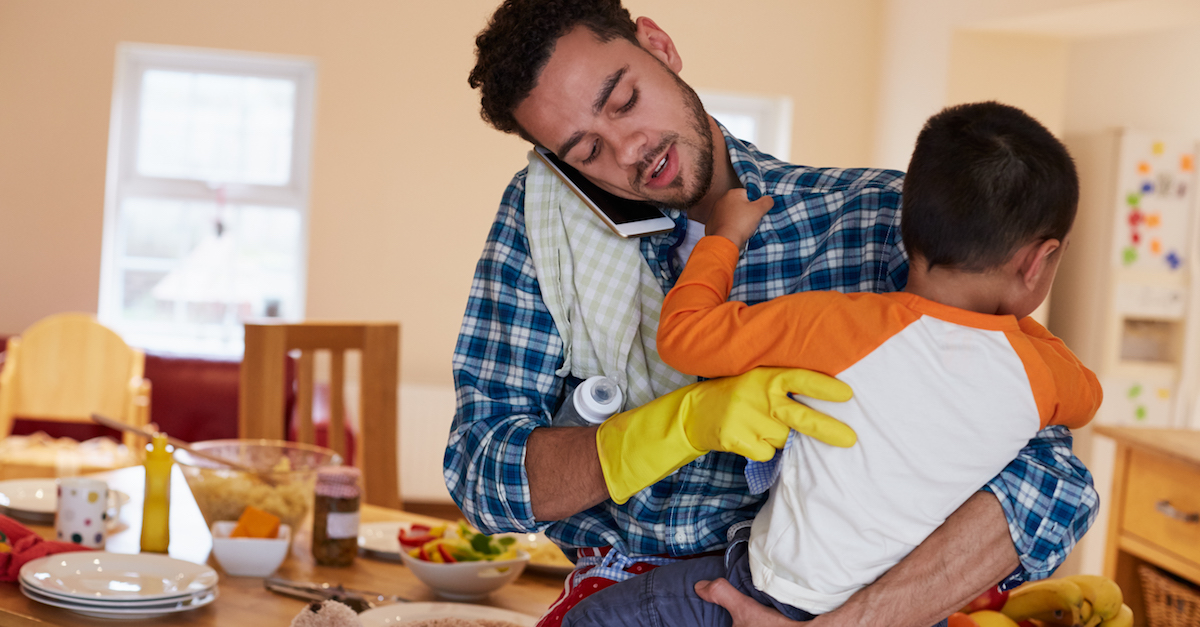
[625, 120]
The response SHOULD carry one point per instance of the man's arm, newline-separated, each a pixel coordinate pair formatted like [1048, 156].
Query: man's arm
[1046, 491]
[969, 552]
[505, 361]
[564, 472]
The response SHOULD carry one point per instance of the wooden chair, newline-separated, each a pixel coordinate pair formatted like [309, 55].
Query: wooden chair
[67, 366]
[261, 406]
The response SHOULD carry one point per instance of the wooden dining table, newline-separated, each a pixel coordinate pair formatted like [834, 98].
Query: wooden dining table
[244, 600]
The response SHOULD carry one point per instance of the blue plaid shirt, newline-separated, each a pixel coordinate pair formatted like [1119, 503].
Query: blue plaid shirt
[830, 229]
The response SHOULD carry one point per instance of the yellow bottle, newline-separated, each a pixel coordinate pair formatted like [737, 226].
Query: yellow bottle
[156, 535]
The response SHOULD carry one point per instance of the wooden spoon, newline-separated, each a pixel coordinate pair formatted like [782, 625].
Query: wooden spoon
[177, 443]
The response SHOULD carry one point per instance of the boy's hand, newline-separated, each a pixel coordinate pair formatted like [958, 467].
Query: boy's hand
[736, 218]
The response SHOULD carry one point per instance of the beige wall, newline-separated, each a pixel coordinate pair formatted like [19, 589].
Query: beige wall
[406, 177]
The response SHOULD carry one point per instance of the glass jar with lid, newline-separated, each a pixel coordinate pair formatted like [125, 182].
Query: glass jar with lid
[335, 516]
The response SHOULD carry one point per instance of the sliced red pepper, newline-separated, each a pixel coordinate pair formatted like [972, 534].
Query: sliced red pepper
[416, 535]
[421, 554]
[446, 554]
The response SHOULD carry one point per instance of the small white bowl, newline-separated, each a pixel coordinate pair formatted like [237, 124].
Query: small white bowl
[466, 581]
[249, 557]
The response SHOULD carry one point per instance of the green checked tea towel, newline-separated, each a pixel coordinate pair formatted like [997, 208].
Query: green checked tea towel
[601, 293]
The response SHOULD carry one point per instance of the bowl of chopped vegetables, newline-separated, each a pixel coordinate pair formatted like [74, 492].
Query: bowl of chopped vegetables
[460, 563]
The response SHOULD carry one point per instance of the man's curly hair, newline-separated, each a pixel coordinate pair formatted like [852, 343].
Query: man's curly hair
[513, 50]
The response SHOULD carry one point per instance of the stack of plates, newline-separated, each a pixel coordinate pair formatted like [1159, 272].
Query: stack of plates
[115, 585]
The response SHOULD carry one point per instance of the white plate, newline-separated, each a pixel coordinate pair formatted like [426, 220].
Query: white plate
[538, 546]
[406, 613]
[379, 540]
[113, 576]
[113, 603]
[121, 612]
[38, 498]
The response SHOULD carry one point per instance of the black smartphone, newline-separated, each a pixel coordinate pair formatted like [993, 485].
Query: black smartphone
[627, 218]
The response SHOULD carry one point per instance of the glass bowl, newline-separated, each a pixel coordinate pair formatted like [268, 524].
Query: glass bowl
[284, 487]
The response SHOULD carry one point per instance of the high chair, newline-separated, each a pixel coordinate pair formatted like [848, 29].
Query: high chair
[67, 366]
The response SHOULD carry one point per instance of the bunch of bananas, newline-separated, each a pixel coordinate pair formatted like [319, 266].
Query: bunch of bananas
[1075, 601]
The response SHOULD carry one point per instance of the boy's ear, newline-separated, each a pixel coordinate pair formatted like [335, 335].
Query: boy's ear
[1033, 260]
[658, 43]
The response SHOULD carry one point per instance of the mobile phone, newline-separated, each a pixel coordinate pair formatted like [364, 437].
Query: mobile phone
[627, 218]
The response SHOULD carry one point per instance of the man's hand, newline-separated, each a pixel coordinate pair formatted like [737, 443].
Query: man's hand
[750, 414]
[735, 217]
[746, 612]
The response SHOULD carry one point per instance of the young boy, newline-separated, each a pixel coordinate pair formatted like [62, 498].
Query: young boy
[950, 377]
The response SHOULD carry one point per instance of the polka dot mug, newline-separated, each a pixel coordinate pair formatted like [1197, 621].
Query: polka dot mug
[82, 510]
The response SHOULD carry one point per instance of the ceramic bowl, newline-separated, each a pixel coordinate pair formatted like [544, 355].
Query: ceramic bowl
[249, 557]
[466, 581]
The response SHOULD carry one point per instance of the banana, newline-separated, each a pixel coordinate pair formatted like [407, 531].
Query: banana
[1056, 601]
[1103, 593]
[1087, 612]
[989, 618]
[1124, 618]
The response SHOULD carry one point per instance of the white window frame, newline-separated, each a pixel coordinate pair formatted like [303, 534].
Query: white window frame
[772, 116]
[122, 179]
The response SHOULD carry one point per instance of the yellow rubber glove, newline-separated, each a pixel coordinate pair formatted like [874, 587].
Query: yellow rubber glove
[749, 414]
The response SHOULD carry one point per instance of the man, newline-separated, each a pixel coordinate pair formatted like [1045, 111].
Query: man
[603, 93]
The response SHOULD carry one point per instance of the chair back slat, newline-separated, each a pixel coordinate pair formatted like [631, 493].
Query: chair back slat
[305, 381]
[337, 403]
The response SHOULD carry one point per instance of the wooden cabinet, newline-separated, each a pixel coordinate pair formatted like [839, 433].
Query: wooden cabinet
[1154, 508]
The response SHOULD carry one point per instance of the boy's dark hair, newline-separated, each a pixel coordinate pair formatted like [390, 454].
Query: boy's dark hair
[985, 179]
[516, 45]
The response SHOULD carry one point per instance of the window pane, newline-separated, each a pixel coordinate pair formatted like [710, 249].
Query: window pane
[139, 301]
[216, 127]
[251, 263]
[166, 229]
[742, 126]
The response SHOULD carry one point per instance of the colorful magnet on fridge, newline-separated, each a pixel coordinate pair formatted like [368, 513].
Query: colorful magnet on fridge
[1156, 246]
[1173, 260]
[1144, 167]
[1153, 219]
[1158, 148]
[1133, 199]
[1164, 393]
[1165, 183]
[1140, 413]
[1147, 187]
[1128, 255]
[1187, 163]
[1135, 390]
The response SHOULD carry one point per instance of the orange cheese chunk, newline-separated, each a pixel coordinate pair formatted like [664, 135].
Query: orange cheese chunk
[255, 523]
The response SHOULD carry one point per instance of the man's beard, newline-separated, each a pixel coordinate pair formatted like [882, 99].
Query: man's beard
[703, 146]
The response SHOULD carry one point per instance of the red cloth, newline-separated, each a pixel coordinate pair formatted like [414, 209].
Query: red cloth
[19, 544]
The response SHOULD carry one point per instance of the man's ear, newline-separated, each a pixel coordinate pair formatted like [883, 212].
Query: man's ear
[1033, 260]
[658, 43]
